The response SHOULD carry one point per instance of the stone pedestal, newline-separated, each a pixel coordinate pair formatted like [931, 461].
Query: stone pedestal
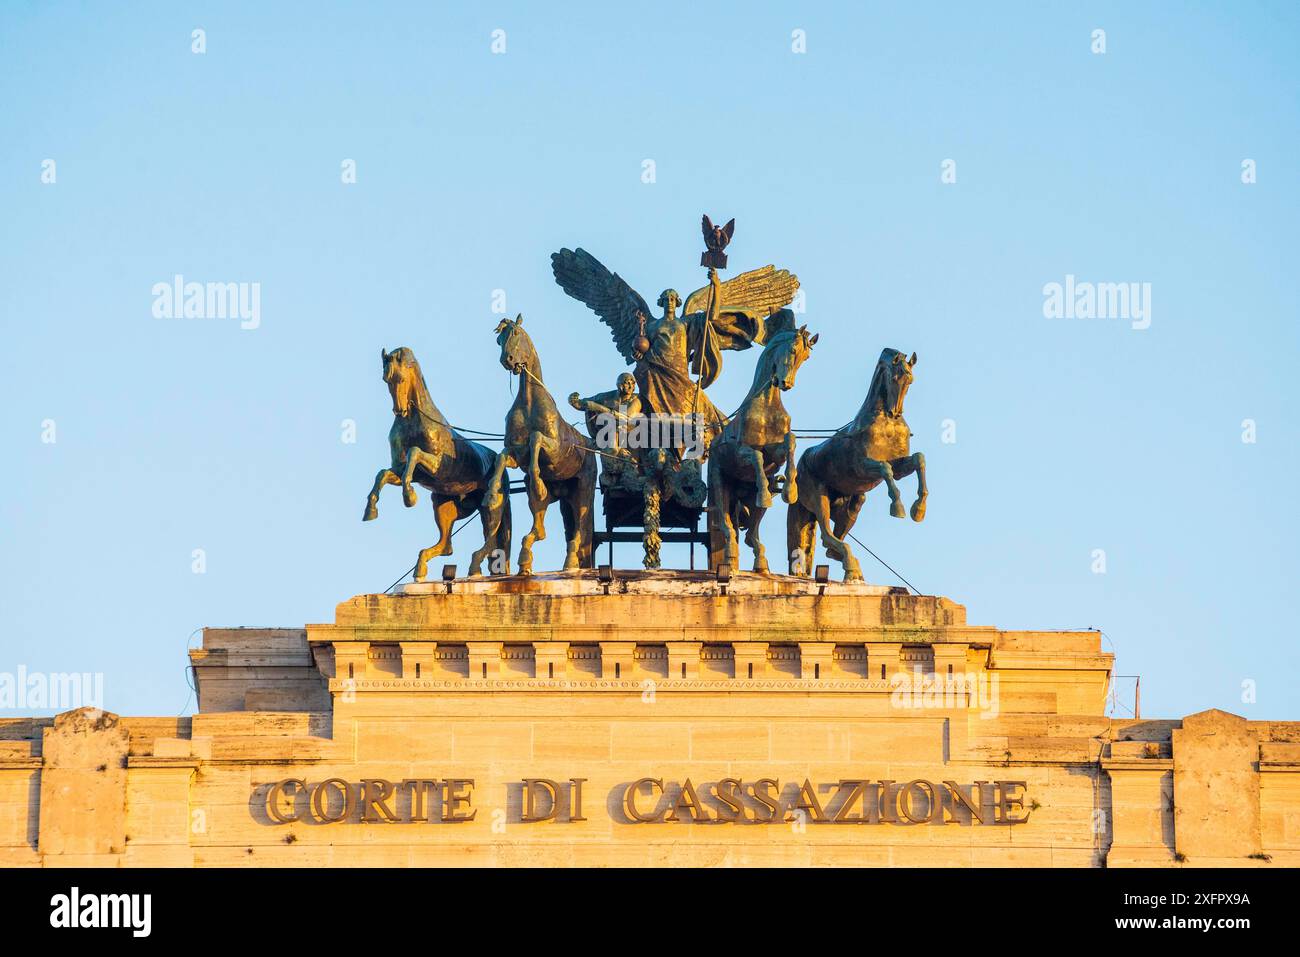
[1216, 787]
[83, 789]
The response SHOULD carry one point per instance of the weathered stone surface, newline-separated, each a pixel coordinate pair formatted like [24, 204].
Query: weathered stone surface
[257, 669]
[1216, 787]
[83, 786]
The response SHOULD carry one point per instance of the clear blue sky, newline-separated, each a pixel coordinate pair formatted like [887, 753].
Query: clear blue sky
[472, 168]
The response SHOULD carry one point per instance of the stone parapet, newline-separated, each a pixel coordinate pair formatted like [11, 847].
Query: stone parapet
[688, 631]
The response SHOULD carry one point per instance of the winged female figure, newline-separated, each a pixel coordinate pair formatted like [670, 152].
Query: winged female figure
[668, 350]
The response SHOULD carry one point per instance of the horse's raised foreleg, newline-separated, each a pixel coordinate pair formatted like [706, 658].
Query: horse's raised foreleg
[537, 490]
[535, 533]
[494, 494]
[385, 477]
[886, 473]
[791, 491]
[906, 466]
[414, 457]
[444, 516]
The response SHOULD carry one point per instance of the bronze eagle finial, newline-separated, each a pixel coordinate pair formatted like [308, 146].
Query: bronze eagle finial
[715, 241]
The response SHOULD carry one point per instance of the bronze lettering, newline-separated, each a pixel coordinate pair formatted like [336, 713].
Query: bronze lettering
[887, 803]
[375, 793]
[319, 798]
[1007, 802]
[855, 790]
[454, 798]
[920, 801]
[688, 801]
[552, 790]
[274, 795]
[932, 804]
[955, 797]
[870, 803]
[419, 788]
[728, 792]
[575, 799]
[629, 800]
[760, 791]
[807, 801]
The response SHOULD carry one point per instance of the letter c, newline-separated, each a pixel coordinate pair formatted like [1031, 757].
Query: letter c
[629, 800]
[274, 795]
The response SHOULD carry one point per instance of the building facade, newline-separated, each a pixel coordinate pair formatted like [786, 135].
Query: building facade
[663, 718]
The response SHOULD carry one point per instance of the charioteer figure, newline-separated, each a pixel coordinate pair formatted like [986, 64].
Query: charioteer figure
[609, 414]
[609, 417]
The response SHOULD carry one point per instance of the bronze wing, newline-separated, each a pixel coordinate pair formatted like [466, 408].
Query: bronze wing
[757, 293]
[585, 278]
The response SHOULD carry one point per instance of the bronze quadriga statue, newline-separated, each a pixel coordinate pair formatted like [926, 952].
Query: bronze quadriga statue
[653, 431]
[835, 476]
[427, 451]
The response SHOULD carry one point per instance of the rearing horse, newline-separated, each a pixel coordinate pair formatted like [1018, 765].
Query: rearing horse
[835, 475]
[427, 451]
[550, 451]
[745, 457]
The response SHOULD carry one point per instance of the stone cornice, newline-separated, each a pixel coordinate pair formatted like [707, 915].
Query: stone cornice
[632, 685]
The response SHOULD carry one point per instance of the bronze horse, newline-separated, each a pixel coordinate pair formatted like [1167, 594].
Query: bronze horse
[834, 476]
[757, 441]
[550, 451]
[427, 451]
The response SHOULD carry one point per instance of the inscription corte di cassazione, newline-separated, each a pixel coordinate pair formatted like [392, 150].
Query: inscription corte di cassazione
[653, 801]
